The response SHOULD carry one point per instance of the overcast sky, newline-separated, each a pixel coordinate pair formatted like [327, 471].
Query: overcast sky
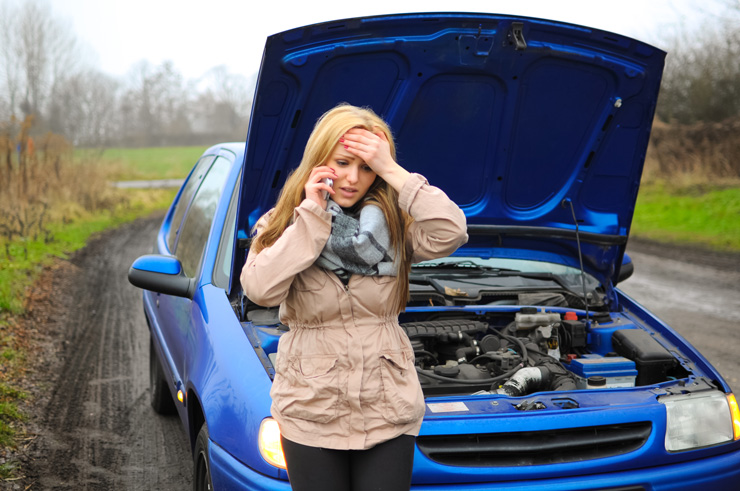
[200, 34]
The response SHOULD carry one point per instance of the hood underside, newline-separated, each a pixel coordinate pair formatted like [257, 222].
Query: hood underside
[534, 128]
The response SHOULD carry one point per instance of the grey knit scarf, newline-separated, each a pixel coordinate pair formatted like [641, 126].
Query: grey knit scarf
[358, 244]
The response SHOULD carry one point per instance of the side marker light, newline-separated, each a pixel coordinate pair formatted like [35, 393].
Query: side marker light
[735, 413]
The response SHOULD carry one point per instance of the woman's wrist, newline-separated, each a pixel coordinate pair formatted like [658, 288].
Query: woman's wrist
[396, 176]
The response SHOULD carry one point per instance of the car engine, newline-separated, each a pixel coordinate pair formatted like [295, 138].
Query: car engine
[534, 351]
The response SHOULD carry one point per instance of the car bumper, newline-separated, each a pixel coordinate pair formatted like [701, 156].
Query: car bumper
[720, 472]
[229, 473]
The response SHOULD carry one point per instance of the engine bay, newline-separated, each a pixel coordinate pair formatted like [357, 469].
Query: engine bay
[530, 350]
[516, 351]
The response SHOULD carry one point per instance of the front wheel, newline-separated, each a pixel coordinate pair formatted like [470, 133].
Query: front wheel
[201, 463]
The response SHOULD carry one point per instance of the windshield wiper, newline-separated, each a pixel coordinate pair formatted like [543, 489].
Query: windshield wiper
[461, 265]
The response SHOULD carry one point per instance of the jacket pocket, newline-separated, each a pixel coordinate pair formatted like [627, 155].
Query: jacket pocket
[402, 399]
[310, 389]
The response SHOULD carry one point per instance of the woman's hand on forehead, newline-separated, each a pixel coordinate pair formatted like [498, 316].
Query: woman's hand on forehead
[375, 150]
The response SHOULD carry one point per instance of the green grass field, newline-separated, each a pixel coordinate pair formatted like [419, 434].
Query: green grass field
[128, 164]
[705, 216]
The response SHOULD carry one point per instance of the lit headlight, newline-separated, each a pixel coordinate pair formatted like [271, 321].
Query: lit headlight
[269, 443]
[700, 419]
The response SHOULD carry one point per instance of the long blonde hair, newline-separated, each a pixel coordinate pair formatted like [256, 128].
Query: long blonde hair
[330, 127]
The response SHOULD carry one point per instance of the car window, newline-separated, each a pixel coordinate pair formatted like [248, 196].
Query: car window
[182, 204]
[197, 223]
[222, 270]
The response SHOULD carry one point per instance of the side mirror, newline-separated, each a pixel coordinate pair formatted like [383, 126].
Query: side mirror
[161, 274]
[627, 268]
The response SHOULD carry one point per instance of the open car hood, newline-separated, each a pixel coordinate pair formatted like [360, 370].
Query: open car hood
[535, 128]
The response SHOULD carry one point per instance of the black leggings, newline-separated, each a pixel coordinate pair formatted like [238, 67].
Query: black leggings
[384, 467]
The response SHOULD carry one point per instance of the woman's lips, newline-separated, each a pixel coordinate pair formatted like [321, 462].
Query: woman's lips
[348, 192]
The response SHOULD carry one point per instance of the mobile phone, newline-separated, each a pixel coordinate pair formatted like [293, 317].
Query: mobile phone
[330, 183]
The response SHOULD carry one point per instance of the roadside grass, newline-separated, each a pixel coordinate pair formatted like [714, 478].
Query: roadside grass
[129, 164]
[29, 256]
[19, 271]
[689, 211]
[52, 203]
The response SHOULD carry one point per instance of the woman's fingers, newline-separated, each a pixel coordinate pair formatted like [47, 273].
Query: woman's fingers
[371, 147]
[374, 149]
[316, 185]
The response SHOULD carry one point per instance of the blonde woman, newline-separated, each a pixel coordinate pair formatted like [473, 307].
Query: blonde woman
[336, 258]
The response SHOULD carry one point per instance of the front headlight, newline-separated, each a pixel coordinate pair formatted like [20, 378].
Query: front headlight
[700, 419]
[269, 443]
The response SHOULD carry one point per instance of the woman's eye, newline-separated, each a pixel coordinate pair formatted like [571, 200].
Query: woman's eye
[342, 162]
[367, 168]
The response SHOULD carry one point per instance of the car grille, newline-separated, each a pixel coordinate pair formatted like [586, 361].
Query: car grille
[535, 447]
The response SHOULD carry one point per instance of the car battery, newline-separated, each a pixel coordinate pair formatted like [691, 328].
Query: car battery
[618, 371]
[652, 359]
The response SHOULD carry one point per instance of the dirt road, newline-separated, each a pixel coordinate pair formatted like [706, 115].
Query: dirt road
[96, 428]
[92, 416]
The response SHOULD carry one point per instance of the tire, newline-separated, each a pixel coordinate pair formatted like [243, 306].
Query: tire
[161, 398]
[201, 463]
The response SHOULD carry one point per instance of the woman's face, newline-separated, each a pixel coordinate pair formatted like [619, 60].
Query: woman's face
[353, 177]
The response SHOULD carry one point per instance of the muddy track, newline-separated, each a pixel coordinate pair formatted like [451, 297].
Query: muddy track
[90, 406]
[96, 428]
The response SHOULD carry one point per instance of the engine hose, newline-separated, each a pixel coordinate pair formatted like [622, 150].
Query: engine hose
[525, 381]
[516, 341]
[427, 354]
[470, 382]
[487, 356]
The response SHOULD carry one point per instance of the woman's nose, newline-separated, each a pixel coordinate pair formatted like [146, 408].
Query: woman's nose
[352, 174]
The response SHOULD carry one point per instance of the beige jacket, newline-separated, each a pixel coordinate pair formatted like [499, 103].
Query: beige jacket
[345, 376]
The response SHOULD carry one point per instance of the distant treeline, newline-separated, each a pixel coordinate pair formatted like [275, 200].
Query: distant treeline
[701, 80]
[44, 74]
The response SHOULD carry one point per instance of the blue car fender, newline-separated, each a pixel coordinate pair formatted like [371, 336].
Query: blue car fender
[229, 381]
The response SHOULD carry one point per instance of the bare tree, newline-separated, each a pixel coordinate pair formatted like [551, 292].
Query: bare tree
[37, 51]
[223, 104]
[84, 107]
[701, 81]
[231, 89]
[10, 85]
[155, 105]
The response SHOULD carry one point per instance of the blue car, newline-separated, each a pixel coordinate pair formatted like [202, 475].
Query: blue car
[538, 372]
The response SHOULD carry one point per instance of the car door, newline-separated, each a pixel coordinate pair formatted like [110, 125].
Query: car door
[180, 317]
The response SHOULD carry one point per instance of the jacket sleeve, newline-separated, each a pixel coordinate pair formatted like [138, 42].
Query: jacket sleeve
[266, 277]
[439, 225]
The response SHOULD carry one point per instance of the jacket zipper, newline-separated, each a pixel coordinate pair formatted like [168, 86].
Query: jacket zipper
[349, 295]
